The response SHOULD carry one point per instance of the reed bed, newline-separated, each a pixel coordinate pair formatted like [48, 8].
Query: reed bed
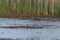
[29, 8]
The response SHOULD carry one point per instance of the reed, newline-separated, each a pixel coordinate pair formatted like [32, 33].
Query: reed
[30, 7]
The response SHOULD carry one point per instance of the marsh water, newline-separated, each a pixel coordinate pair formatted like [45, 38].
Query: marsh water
[4, 22]
[50, 33]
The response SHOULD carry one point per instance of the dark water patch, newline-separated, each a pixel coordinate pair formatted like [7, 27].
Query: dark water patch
[27, 27]
[6, 39]
[31, 27]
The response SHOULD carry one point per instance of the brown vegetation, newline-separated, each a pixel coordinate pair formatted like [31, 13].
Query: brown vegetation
[29, 8]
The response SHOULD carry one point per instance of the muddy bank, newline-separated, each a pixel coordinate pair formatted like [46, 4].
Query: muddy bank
[33, 16]
[36, 18]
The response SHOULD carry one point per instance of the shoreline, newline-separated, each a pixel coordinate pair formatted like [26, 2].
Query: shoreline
[36, 18]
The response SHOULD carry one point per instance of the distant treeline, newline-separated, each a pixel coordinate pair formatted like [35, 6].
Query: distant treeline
[30, 7]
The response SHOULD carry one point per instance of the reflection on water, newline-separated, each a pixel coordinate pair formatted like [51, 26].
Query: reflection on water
[29, 34]
[15, 22]
[22, 33]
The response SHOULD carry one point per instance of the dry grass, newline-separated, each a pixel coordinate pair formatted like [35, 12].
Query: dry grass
[28, 8]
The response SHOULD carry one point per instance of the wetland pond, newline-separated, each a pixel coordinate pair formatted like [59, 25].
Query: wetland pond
[51, 32]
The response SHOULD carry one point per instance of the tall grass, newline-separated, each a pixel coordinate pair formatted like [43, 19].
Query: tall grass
[31, 7]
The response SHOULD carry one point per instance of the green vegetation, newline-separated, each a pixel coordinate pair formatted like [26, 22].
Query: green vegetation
[30, 7]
